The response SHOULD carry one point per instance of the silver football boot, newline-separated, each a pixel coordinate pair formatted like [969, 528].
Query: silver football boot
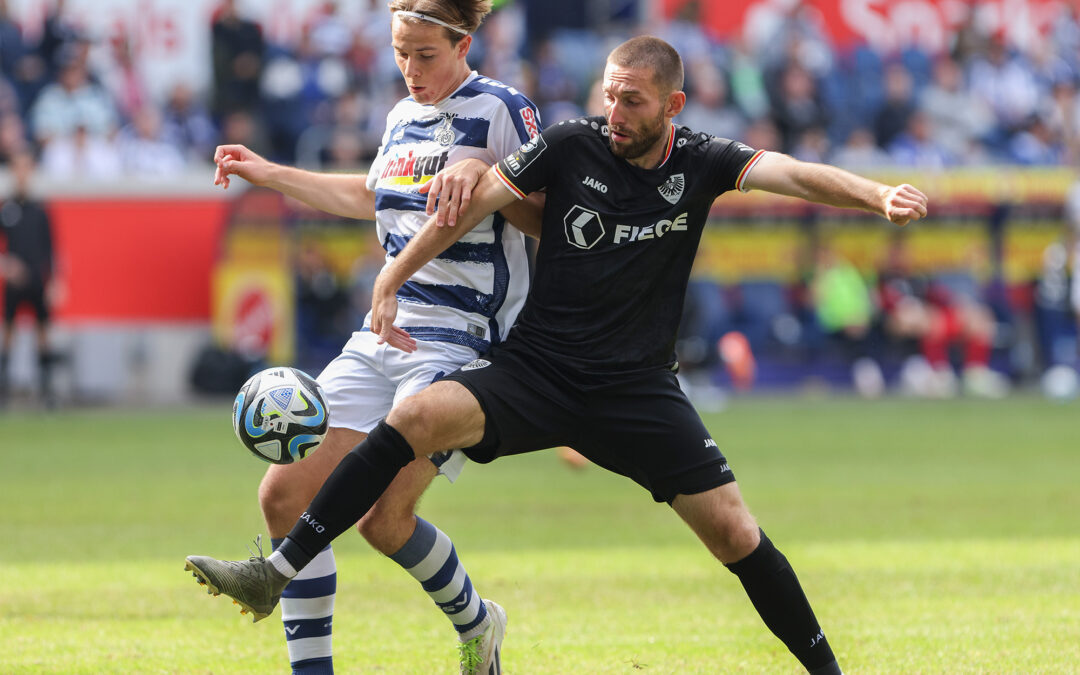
[254, 584]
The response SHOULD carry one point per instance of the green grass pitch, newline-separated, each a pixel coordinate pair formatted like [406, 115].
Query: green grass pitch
[931, 537]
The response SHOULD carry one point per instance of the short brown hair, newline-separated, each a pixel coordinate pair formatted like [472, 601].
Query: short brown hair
[464, 14]
[650, 52]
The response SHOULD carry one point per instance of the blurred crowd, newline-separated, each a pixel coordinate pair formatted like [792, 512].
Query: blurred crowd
[319, 97]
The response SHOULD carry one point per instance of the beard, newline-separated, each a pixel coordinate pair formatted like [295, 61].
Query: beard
[641, 141]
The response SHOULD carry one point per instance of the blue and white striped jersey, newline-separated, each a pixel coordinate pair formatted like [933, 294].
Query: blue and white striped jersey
[472, 292]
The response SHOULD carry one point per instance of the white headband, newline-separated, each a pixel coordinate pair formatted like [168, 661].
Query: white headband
[425, 17]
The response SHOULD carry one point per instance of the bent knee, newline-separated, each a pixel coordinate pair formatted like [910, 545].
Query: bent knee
[419, 419]
[735, 537]
[444, 416]
[281, 500]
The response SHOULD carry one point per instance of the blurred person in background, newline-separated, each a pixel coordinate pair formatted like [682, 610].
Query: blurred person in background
[860, 153]
[748, 89]
[145, 150]
[83, 156]
[243, 128]
[187, 124]
[26, 267]
[1037, 144]
[124, 80]
[13, 137]
[58, 33]
[1004, 81]
[796, 104]
[958, 119]
[503, 36]
[1072, 244]
[74, 102]
[919, 308]
[845, 311]
[336, 143]
[710, 109]
[556, 89]
[457, 306]
[237, 55]
[329, 30]
[11, 43]
[812, 145]
[915, 148]
[322, 307]
[298, 84]
[899, 104]
[762, 134]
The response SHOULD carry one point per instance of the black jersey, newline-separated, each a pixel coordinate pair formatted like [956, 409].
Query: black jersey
[24, 224]
[618, 241]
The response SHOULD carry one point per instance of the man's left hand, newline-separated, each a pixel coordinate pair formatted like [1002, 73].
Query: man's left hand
[384, 308]
[452, 189]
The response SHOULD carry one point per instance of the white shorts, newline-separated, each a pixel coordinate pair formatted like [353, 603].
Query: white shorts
[367, 379]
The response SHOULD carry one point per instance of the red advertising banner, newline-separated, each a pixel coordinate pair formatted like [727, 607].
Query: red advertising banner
[883, 24]
[136, 259]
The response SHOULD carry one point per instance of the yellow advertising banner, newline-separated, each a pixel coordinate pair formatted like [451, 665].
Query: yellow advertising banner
[253, 307]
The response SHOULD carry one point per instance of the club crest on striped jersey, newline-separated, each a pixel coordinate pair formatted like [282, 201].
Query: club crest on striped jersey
[672, 189]
[445, 135]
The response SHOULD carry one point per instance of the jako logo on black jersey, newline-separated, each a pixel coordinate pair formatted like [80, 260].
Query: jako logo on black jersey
[655, 231]
[415, 167]
[589, 181]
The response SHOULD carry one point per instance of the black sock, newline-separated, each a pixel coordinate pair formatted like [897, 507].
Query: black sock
[779, 599]
[354, 486]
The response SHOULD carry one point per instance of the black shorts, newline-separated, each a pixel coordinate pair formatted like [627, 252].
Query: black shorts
[32, 293]
[640, 426]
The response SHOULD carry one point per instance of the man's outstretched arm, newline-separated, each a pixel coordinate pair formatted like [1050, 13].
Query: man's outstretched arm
[340, 194]
[825, 184]
[489, 196]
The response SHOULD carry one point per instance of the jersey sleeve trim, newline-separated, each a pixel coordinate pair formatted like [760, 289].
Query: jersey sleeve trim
[740, 182]
[509, 185]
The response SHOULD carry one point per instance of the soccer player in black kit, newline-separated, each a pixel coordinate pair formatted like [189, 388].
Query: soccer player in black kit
[590, 363]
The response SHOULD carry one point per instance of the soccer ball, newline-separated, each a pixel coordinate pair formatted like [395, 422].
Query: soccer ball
[280, 415]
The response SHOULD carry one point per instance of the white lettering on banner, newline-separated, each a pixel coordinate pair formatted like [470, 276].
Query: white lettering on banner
[886, 24]
[890, 25]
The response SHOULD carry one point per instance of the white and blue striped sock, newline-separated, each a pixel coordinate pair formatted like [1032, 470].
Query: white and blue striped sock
[307, 610]
[429, 556]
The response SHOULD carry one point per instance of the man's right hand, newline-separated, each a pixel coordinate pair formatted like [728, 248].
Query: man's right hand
[240, 161]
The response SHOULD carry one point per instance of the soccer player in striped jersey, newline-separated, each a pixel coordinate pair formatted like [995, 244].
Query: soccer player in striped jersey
[457, 306]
